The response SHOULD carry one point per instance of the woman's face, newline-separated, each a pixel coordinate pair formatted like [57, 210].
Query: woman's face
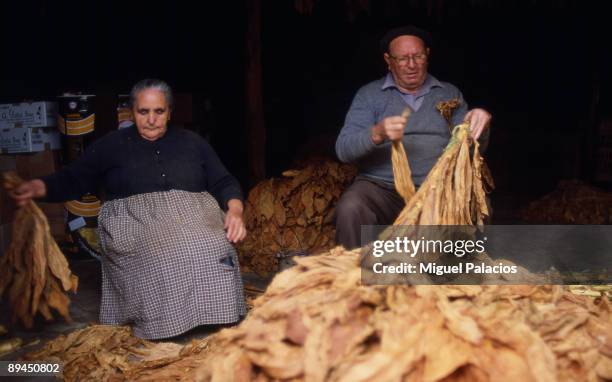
[151, 114]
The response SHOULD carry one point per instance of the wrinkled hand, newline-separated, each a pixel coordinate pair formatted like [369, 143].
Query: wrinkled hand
[479, 120]
[234, 224]
[26, 191]
[391, 128]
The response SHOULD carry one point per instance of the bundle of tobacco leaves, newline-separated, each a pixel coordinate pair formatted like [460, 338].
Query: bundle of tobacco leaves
[572, 202]
[34, 273]
[292, 214]
[454, 191]
[402, 176]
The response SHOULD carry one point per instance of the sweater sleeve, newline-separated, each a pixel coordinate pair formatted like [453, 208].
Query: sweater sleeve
[220, 183]
[78, 178]
[354, 140]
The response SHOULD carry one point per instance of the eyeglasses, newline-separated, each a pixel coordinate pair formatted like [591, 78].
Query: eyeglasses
[417, 58]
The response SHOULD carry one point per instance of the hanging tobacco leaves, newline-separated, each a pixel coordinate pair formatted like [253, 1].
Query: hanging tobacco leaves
[34, 273]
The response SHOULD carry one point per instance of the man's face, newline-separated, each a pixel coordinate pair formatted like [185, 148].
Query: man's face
[407, 61]
[151, 114]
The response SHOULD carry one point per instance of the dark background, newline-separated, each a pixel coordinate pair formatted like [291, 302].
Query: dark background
[542, 68]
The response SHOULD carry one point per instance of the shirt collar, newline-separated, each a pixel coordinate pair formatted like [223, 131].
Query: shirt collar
[430, 82]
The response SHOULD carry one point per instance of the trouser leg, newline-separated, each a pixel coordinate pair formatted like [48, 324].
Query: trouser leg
[364, 203]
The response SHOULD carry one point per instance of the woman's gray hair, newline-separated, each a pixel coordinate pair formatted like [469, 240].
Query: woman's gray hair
[152, 83]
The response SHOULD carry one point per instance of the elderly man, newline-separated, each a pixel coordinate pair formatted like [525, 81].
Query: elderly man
[374, 120]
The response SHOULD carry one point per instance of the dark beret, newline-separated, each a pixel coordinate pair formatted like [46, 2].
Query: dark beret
[407, 30]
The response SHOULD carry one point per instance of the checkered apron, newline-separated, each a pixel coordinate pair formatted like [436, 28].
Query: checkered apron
[167, 266]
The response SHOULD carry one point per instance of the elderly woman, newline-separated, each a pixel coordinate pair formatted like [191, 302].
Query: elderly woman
[168, 263]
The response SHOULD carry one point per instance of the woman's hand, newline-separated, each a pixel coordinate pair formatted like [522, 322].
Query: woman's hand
[23, 193]
[234, 224]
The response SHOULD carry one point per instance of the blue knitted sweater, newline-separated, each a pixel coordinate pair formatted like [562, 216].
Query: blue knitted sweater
[425, 136]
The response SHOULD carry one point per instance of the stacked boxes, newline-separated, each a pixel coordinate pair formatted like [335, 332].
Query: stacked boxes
[29, 140]
[28, 127]
[28, 114]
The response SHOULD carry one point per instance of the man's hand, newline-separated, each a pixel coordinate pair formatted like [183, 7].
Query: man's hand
[234, 224]
[22, 194]
[391, 128]
[479, 120]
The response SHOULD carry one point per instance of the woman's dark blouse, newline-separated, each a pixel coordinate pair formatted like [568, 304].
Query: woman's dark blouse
[125, 164]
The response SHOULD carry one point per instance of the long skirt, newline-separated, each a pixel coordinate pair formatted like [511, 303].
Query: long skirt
[167, 265]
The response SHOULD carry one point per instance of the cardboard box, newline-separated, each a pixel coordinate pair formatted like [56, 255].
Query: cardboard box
[31, 166]
[28, 114]
[29, 140]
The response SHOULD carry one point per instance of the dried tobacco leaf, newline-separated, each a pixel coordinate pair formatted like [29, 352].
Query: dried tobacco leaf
[446, 109]
[402, 176]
